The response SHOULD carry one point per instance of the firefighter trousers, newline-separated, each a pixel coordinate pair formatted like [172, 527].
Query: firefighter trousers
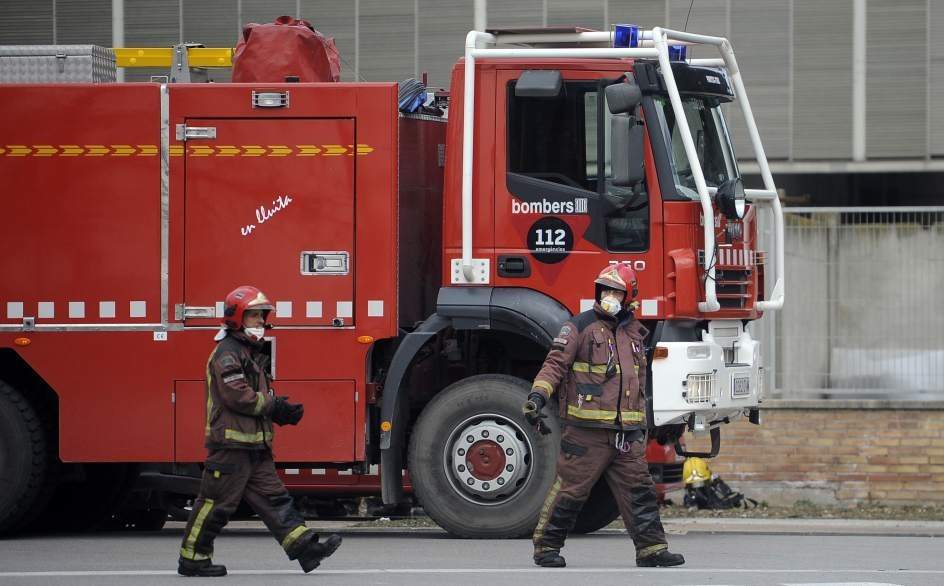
[586, 455]
[230, 476]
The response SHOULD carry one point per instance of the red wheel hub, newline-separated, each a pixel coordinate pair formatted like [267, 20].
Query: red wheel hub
[485, 460]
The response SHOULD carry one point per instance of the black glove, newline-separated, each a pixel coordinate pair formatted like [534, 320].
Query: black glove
[533, 413]
[284, 412]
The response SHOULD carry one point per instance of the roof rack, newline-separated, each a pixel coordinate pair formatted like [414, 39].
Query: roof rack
[573, 42]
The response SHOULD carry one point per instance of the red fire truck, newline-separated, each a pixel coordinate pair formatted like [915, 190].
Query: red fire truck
[420, 265]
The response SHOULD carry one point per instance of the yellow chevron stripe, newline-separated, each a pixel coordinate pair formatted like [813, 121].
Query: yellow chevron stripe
[228, 151]
[333, 150]
[279, 150]
[18, 150]
[201, 151]
[308, 150]
[177, 150]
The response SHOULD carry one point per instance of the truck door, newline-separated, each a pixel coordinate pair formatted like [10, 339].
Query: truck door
[559, 214]
[270, 202]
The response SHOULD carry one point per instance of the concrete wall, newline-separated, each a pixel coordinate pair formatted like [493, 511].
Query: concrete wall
[836, 452]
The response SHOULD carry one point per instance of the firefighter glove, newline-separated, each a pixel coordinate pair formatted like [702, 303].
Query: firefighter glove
[533, 412]
[285, 413]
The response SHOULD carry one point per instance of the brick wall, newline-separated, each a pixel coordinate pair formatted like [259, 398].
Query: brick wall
[835, 452]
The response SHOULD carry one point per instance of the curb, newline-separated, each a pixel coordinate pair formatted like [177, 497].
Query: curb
[672, 526]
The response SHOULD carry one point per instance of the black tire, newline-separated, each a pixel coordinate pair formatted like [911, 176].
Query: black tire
[472, 404]
[599, 511]
[24, 460]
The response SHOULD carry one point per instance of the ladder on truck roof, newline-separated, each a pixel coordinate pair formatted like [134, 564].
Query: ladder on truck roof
[187, 62]
[626, 41]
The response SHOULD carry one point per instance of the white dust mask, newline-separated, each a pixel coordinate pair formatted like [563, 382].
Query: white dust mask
[610, 304]
[257, 333]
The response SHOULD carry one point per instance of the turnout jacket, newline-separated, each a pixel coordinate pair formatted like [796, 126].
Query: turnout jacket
[239, 403]
[598, 364]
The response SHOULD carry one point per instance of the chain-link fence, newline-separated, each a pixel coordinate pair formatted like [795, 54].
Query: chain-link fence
[864, 312]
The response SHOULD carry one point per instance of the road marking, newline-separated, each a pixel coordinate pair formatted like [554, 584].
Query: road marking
[70, 574]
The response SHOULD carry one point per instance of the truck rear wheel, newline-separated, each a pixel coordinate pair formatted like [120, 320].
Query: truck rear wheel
[23, 459]
[477, 467]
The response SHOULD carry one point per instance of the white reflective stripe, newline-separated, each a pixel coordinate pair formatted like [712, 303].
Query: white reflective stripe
[375, 308]
[345, 309]
[291, 471]
[47, 310]
[313, 309]
[318, 471]
[106, 309]
[347, 472]
[283, 309]
[374, 470]
[76, 309]
[14, 309]
[586, 304]
[138, 308]
[220, 309]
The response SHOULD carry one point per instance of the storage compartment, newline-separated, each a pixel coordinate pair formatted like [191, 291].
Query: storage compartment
[57, 64]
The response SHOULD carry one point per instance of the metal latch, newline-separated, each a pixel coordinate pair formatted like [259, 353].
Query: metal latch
[185, 132]
[182, 312]
[324, 263]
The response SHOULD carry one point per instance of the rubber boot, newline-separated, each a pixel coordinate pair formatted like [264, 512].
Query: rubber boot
[663, 559]
[200, 569]
[317, 551]
[550, 559]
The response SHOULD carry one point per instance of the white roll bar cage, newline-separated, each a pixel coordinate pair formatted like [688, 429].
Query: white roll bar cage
[654, 44]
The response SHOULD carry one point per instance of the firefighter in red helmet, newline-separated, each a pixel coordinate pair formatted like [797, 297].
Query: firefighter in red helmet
[241, 409]
[598, 364]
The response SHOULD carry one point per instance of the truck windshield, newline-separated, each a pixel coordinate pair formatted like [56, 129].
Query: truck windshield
[712, 143]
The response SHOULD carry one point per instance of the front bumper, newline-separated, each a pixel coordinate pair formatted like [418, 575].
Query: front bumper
[719, 377]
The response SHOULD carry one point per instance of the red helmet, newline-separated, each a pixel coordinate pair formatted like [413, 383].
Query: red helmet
[239, 300]
[619, 276]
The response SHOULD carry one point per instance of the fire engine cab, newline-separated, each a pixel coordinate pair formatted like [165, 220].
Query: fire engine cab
[421, 265]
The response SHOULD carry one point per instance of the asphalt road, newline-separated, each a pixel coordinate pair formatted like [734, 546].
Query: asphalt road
[253, 557]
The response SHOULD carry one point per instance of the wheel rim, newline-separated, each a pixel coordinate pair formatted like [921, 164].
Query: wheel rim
[487, 459]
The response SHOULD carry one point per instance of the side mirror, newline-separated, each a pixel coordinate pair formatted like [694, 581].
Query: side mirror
[626, 154]
[622, 98]
[539, 83]
[731, 199]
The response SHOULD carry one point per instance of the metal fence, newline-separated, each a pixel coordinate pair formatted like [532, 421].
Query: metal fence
[864, 312]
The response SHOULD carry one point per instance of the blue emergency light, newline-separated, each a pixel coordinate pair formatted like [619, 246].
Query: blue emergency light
[677, 52]
[626, 36]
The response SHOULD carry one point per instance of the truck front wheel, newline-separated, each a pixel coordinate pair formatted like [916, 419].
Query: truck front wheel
[477, 467]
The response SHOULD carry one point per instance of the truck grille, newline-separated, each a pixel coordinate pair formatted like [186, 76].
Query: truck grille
[733, 277]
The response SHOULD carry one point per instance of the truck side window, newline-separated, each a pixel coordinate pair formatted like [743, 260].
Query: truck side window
[554, 150]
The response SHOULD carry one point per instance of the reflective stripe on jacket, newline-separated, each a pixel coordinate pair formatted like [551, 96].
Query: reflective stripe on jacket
[599, 367]
[238, 400]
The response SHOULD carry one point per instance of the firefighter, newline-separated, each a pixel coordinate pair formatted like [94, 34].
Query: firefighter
[241, 409]
[598, 363]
